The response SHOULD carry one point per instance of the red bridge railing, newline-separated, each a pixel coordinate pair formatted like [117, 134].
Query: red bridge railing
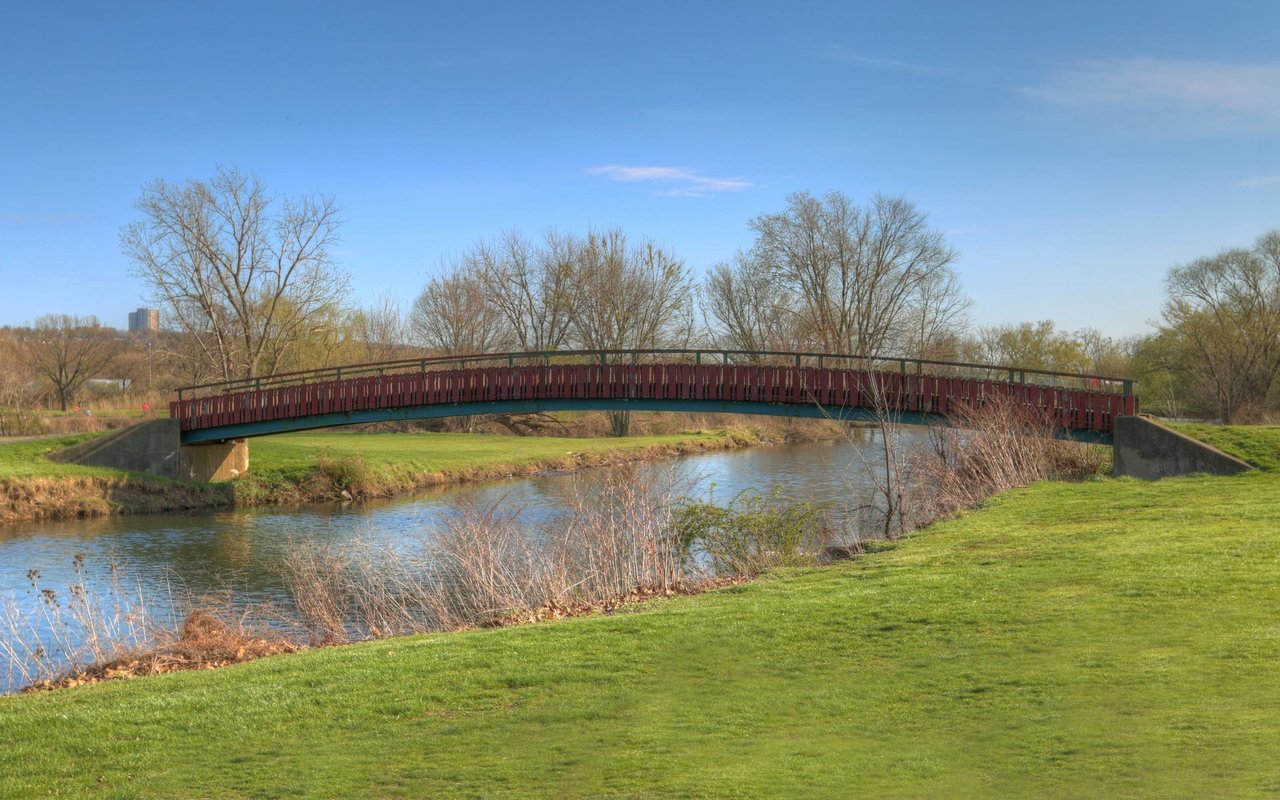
[1074, 401]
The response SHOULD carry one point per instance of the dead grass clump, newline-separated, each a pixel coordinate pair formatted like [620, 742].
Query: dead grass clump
[205, 640]
[97, 630]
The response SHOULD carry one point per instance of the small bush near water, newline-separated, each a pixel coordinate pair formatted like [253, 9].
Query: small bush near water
[753, 533]
[350, 473]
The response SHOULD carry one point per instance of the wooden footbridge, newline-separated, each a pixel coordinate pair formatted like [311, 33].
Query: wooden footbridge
[832, 385]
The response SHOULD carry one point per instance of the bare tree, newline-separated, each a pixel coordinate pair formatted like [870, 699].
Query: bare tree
[747, 308]
[378, 332]
[68, 351]
[1107, 355]
[1224, 315]
[248, 275]
[630, 297]
[937, 315]
[1031, 345]
[19, 387]
[453, 315]
[854, 273]
[531, 285]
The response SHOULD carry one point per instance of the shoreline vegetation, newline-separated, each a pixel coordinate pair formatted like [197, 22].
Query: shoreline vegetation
[318, 467]
[1020, 647]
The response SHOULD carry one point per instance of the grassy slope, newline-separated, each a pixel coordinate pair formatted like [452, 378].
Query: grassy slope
[424, 452]
[33, 487]
[27, 459]
[291, 468]
[442, 452]
[1257, 444]
[1112, 638]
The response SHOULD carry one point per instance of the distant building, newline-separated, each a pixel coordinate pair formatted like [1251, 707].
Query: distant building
[144, 319]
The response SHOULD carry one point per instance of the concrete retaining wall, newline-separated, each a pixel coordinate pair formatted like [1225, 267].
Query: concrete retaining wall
[1146, 449]
[156, 447]
[146, 447]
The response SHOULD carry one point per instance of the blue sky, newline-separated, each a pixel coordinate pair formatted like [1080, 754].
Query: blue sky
[1072, 151]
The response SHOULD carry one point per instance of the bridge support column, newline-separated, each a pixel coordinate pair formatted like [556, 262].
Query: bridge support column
[221, 461]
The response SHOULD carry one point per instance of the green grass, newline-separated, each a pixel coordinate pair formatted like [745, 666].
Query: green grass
[442, 452]
[1257, 444]
[392, 452]
[28, 459]
[1105, 639]
[305, 467]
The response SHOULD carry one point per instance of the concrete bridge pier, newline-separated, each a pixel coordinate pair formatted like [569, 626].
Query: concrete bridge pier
[220, 461]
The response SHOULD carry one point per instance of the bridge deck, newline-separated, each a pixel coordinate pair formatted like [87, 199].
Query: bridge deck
[771, 389]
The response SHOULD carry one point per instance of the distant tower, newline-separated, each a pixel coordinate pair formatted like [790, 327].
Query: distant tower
[144, 319]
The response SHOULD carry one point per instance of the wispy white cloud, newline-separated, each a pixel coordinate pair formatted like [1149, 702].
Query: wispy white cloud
[673, 181]
[1243, 96]
[835, 52]
[1261, 180]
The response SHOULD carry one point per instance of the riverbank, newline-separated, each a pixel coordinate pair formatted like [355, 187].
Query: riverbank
[1111, 637]
[292, 469]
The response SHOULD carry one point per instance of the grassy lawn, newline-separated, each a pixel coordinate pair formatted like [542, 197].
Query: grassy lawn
[305, 467]
[1111, 638]
[442, 452]
[419, 452]
[1257, 444]
[388, 454]
[27, 459]
[311, 467]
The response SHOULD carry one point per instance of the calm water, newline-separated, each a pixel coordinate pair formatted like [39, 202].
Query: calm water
[239, 552]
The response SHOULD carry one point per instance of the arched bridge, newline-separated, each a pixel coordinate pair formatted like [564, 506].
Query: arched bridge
[831, 385]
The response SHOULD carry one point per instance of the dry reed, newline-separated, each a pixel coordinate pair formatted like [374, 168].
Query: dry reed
[990, 448]
[614, 540]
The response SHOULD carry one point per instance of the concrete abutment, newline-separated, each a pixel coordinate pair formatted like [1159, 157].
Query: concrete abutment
[156, 447]
[1143, 448]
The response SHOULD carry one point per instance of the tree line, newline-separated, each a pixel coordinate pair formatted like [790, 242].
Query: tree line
[249, 285]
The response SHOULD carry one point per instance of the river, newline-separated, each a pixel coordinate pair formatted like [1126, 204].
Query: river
[237, 554]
